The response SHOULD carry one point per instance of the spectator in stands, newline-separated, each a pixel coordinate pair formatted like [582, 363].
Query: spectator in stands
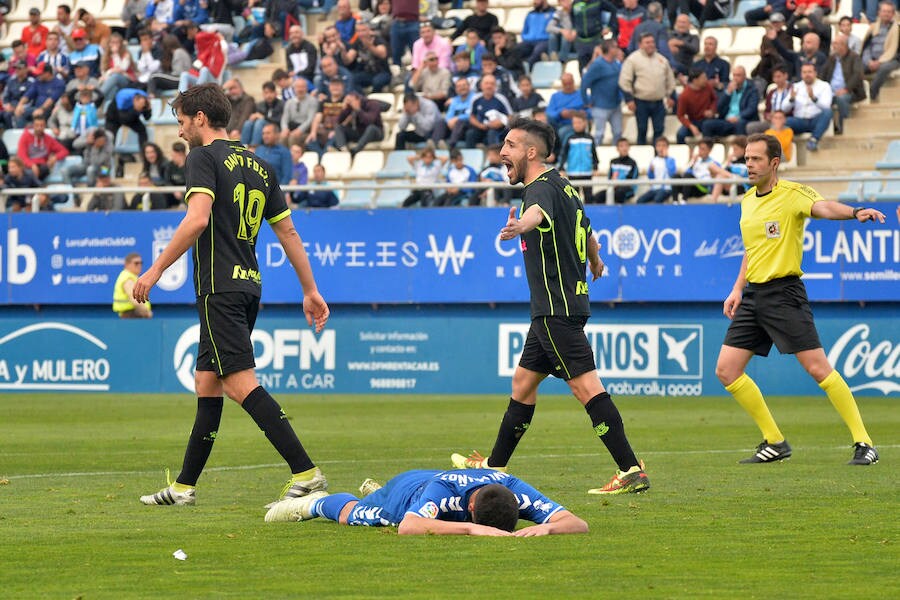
[735, 167]
[561, 34]
[84, 119]
[212, 57]
[174, 171]
[276, 154]
[456, 119]
[696, 105]
[578, 157]
[259, 48]
[20, 54]
[600, 91]
[134, 15]
[64, 26]
[769, 59]
[84, 52]
[710, 10]
[630, 15]
[495, 172]
[153, 200]
[345, 22]
[83, 80]
[126, 109]
[737, 107]
[782, 132]
[15, 91]
[431, 81]
[324, 198]
[534, 32]
[42, 94]
[661, 167]
[381, 22]
[490, 112]
[777, 99]
[299, 172]
[506, 85]
[717, 68]
[755, 16]
[527, 100]
[404, 29]
[809, 15]
[503, 47]
[359, 123]
[98, 152]
[298, 114]
[867, 8]
[810, 101]
[173, 62]
[268, 110]
[563, 104]
[845, 26]
[19, 177]
[97, 32]
[429, 41]
[331, 44]
[621, 168]
[105, 201]
[284, 87]
[154, 163]
[459, 173]
[463, 70]
[221, 17]
[161, 14]
[116, 66]
[39, 151]
[700, 167]
[844, 72]
[425, 117]
[190, 11]
[321, 132]
[428, 172]
[474, 48]
[809, 53]
[148, 60]
[594, 20]
[35, 33]
[880, 53]
[367, 57]
[60, 121]
[54, 56]
[648, 82]
[480, 20]
[683, 45]
[330, 71]
[302, 56]
[242, 106]
[652, 23]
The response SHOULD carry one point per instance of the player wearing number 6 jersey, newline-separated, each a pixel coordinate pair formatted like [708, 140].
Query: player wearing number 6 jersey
[557, 243]
[229, 193]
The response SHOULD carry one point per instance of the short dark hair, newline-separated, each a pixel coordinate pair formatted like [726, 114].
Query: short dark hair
[645, 35]
[781, 68]
[455, 153]
[706, 142]
[207, 98]
[488, 56]
[131, 256]
[773, 146]
[410, 98]
[279, 74]
[66, 8]
[845, 18]
[179, 147]
[694, 73]
[661, 138]
[739, 141]
[269, 86]
[542, 131]
[496, 506]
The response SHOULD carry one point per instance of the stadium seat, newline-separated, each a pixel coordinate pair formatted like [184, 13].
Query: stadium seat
[746, 41]
[604, 155]
[110, 11]
[11, 140]
[358, 197]
[459, 13]
[69, 204]
[56, 174]
[642, 155]
[127, 140]
[473, 157]
[891, 159]
[20, 12]
[791, 164]
[629, 129]
[670, 130]
[515, 19]
[366, 164]
[748, 61]
[396, 166]
[718, 153]
[737, 19]
[310, 159]
[391, 198]
[722, 35]
[337, 164]
[13, 32]
[891, 190]
[573, 68]
[161, 112]
[544, 93]
[545, 73]
[860, 191]
[682, 155]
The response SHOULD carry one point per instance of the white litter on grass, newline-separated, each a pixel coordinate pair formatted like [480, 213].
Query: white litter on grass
[179, 554]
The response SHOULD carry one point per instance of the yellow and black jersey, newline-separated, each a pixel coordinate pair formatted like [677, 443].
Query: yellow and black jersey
[772, 228]
[556, 251]
[245, 191]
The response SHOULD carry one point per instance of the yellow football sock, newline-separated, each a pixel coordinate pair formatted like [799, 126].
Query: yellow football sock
[180, 488]
[304, 476]
[842, 399]
[747, 394]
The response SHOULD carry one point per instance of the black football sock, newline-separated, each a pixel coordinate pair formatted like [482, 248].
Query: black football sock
[515, 423]
[607, 423]
[206, 428]
[274, 423]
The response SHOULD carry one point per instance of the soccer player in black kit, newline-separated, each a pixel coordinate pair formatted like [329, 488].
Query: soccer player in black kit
[557, 245]
[229, 193]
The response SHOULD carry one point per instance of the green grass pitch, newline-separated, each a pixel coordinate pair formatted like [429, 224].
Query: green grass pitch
[72, 468]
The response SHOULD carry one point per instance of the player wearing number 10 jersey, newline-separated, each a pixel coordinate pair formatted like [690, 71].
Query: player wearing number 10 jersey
[557, 244]
[229, 193]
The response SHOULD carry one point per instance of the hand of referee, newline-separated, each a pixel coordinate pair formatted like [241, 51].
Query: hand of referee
[870, 214]
[316, 310]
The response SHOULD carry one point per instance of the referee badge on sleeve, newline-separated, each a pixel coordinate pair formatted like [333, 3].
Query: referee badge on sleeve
[773, 229]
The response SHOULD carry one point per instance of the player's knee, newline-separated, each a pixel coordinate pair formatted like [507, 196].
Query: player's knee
[727, 373]
[819, 371]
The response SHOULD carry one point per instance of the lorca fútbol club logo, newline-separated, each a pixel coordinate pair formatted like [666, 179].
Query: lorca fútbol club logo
[175, 276]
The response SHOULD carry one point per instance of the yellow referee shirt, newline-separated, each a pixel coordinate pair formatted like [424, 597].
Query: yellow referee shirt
[772, 229]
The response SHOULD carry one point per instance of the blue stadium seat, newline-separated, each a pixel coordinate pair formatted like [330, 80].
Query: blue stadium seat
[389, 198]
[545, 73]
[11, 140]
[358, 197]
[396, 166]
[127, 140]
[737, 19]
[891, 190]
[861, 190]
[56, 175]
[161, 112]
[473, 157]
[891, 159]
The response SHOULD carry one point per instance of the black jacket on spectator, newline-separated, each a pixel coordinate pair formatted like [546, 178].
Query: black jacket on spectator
[116, 118]
[482, 25]
[312, 59]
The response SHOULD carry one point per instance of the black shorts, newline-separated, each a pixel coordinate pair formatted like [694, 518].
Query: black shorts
[557, 346]
[226, 322]
[776, 311]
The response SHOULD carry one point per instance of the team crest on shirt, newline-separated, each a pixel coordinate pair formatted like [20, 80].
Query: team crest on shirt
[429, 511]
[773, 229]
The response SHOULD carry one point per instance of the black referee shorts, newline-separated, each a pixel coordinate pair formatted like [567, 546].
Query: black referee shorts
[776, 311]
[226, 322]
[557, 346]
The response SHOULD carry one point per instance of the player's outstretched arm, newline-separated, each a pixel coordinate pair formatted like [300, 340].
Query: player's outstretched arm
[733, 300]
[559, 523]
[836, 211]
[516, 227]
[192, 225]
[314, 306]
[416, 525]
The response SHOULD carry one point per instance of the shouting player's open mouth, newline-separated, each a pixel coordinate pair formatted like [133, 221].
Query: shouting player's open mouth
[510, 169]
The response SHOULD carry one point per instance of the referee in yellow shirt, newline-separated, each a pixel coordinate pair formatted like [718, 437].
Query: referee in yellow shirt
[769, 304]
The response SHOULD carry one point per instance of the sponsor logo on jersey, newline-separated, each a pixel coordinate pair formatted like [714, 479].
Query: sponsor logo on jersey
[773, 229]
[429, 510]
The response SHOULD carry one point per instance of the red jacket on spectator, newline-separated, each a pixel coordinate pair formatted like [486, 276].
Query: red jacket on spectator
[693, 103]
[35, 38]
[209, 52]
[34, 150]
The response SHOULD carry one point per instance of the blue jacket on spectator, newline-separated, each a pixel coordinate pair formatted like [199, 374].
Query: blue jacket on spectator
[535, 27]
[579, 155]
[89, 55]
[716, 68]
[460, 107]
[320, 199]
[125, 98]
[560, 101]
[191, 10]
[15, 89]
[89, 113]
[279, 157]
[749, 104]
[601, 79]
[39, 91]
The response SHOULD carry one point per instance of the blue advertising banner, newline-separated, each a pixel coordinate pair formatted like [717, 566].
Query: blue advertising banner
[653, 253]
[639, 350]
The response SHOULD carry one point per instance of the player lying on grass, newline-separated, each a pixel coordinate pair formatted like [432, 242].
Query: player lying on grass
[457, 502]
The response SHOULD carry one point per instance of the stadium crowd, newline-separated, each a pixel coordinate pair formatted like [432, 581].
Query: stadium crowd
[72, 82]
